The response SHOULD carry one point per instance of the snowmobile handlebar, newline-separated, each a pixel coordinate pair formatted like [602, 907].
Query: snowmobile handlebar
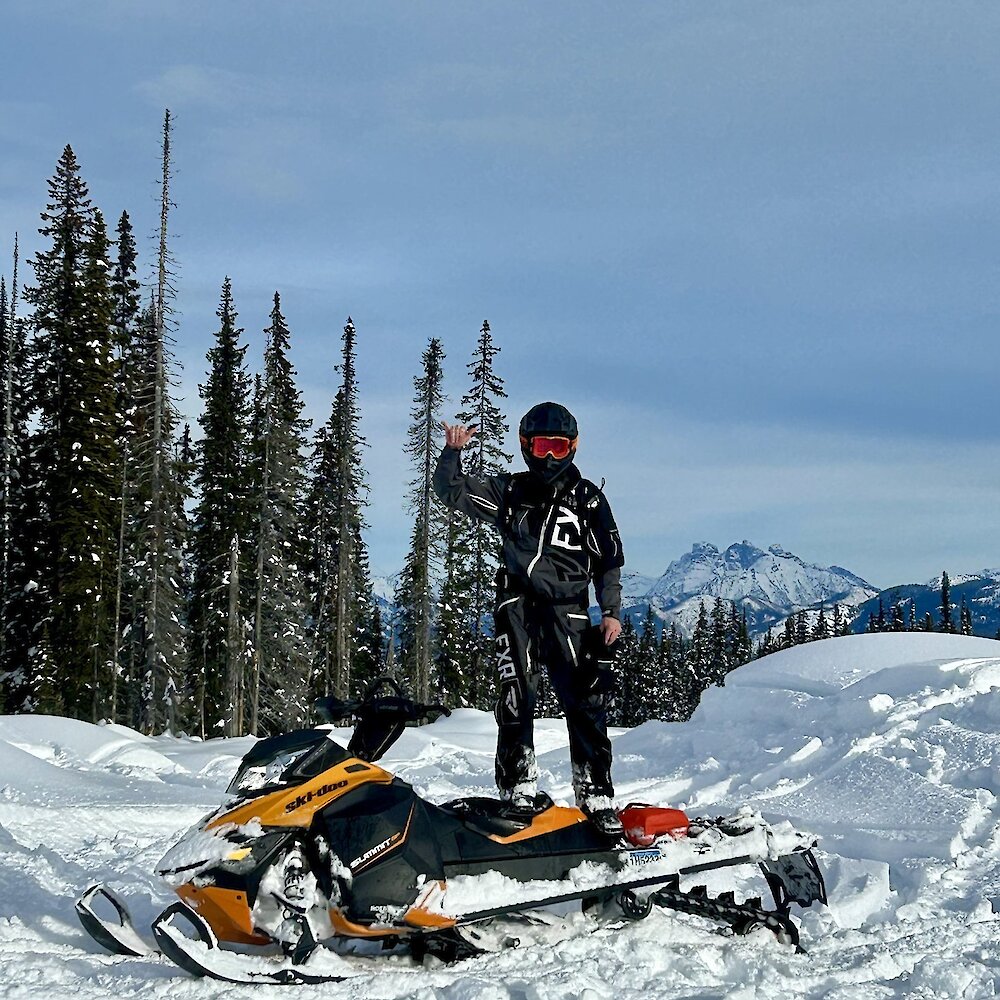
[372, 706]
[380, 718]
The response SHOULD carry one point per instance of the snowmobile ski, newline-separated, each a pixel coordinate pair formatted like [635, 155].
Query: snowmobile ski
[120, 937]
[201, 956]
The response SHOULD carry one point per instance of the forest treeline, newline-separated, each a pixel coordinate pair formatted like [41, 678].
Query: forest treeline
[216, 581]
[211, 581]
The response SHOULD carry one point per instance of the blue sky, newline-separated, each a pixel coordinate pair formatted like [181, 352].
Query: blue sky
[753, 246]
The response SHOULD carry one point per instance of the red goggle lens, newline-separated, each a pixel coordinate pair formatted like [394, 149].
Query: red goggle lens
[557, 447]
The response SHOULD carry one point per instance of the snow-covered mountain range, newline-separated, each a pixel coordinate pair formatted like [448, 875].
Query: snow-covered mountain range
[770, 584]
[979, 592]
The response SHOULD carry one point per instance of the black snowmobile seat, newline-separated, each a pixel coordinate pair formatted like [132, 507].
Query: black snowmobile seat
[495, 817]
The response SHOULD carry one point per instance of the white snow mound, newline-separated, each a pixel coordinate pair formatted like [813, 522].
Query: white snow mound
[886, 746]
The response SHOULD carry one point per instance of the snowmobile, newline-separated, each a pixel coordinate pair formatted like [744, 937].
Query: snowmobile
[319, 855]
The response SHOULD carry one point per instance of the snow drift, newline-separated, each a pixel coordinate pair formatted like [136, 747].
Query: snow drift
[886, 746]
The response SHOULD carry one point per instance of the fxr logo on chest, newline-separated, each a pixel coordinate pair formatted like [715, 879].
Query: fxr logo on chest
[566, 533]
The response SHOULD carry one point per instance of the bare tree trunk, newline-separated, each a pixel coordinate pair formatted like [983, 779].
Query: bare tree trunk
[424, 649]
[117, 641]
[155, 553]
[258, 622]
[234, 647]
[345, 575]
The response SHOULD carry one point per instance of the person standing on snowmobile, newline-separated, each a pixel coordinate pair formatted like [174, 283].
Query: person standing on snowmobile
[559, 536]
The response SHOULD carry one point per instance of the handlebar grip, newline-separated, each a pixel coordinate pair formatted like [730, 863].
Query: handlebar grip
[429, 709]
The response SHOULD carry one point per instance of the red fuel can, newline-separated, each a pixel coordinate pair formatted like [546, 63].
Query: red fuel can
[646, 824]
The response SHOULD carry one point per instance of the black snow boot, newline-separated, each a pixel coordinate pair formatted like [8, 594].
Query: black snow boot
[603, 818]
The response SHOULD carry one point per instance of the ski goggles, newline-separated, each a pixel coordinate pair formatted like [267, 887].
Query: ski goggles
[557, 447]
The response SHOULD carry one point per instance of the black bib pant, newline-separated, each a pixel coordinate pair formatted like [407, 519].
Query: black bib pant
[532, 635]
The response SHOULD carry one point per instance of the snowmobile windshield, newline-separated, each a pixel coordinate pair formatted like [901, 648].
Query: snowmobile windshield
[285, 761]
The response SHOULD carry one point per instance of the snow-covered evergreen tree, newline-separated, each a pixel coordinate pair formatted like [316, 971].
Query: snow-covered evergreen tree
[221, 525]
[20, 597]
[484, 456]
[649, 681]
[719, 662]
[126, 332]
[415, 595]
[68, 540]
[677, 678]
[947, 618]
[821, 629]
[340, 590]
[801, 627]
[367, 650]
[280, 662]
[627, 707]
[701, 646]
[965, 618]
[898, 622]
[13, 414]
[456, 647]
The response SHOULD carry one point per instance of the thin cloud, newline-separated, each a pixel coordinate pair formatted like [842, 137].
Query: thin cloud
[210, 88]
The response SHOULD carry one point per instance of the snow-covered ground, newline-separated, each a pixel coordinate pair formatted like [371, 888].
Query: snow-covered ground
[887, 746]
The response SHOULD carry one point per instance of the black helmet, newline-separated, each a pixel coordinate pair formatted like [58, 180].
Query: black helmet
[549, 418]
[548, 459]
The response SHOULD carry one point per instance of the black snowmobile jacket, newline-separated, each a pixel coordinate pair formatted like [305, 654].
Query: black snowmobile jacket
[557, 537]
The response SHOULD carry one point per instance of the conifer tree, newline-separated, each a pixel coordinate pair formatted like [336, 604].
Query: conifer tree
[821, 629]
[965, 618]
[18, 597]
[280, 655]
[344, 641]
[801, 627]
[14, 407]
[718, 665]
[221, 524]
[89, 542]
[126, 326]
[838, 622]
[71, 465]
[161, 521]
[10, 448]
[627, 705]
[947, 619]
[484, 456]
[699, 654]
[744, 647]
[649, 687]
[57, 301]
[456, 647]
[323, 511]
[415, 594]
[789, 636]
[897, 622]
[667, 682]
[687, 684]
[367, 653]
[350, 523]
[767, 645]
